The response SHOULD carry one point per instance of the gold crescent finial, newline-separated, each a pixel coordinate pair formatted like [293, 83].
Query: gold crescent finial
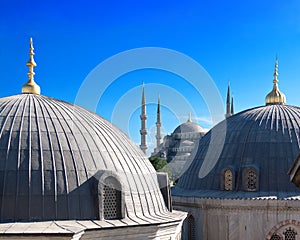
[31, 86]
[275, 96]
[276, 71]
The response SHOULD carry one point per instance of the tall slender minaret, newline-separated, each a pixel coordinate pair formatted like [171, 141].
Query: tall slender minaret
[228, 105]
[232, 108]
[143, 118]
[158, 126]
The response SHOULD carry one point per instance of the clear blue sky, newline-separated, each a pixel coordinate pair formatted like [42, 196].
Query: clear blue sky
[232, 40]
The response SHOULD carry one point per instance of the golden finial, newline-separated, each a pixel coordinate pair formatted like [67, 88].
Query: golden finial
[275, 96]
[31, 86]
[275, 80]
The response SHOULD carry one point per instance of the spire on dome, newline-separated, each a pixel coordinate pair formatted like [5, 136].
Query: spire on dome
[275, 96]
[31, 86]
[189, 118]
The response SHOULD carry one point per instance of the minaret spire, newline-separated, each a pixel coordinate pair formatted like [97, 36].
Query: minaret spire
[275, 96]
[143, 118]
[31, 86]
[232, 108]
[189, 117]
[228, 105]
[158, 126]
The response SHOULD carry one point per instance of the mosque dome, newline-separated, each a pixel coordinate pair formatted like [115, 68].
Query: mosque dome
[188, 127]
[54, 155]
[59, 161]
[259, 148]
[266, 139]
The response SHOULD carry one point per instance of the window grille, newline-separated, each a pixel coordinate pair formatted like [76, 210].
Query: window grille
[252, 180]
[290, 234]
[275, 237]
[228, 180]
[111, 200]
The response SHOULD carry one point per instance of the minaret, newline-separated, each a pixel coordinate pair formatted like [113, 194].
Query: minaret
[143, 118]
[31, 86]
[228, 105]
[158, 126]
[275, 96]
[232, 108]
[189, 117]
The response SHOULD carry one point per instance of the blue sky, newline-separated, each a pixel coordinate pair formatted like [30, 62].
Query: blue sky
[232, 40]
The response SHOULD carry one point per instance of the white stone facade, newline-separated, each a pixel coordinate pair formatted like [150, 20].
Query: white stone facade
[236, 219]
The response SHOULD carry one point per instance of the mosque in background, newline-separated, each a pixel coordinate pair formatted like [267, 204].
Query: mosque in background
[238, 187]
[178, 147]
[66, 173]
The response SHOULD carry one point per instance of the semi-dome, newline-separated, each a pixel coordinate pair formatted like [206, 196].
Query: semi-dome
[259, 148]
[55, 156]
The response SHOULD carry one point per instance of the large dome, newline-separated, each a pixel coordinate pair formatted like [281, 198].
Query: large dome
[54, 157]
[259, 149]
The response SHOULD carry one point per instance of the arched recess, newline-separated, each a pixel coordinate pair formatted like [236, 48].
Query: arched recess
[285, 230]
[110, 196]
[251, 178]
[228, 179]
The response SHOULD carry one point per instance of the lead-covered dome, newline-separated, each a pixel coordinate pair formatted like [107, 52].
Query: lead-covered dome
[259, 148]
[188, 127]
[60, 161]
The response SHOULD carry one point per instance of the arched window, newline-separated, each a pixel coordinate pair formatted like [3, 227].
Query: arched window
[111, 199]
[275, 236]
[191, 228]
[290, 234]
[251, 180]
[228, 183]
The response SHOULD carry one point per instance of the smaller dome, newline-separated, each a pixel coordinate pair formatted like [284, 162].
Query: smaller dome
[275, 96]
[188, 127]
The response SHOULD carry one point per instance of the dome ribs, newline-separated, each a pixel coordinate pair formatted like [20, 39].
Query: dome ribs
[6, 197]
[242, 163]
[59, 148]
[117, 146]
[112, 145]
[157, 208]
[135, 168]
[61, 175]
[70, 169]
[266, 138]
[296, 123]
[53, 167]
[37, 111]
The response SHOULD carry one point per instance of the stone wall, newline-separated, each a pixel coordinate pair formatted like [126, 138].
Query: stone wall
[235, 219]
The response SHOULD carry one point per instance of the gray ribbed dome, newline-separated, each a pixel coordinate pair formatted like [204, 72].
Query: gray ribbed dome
[52, 154]
[264, 138]
[188, 127]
